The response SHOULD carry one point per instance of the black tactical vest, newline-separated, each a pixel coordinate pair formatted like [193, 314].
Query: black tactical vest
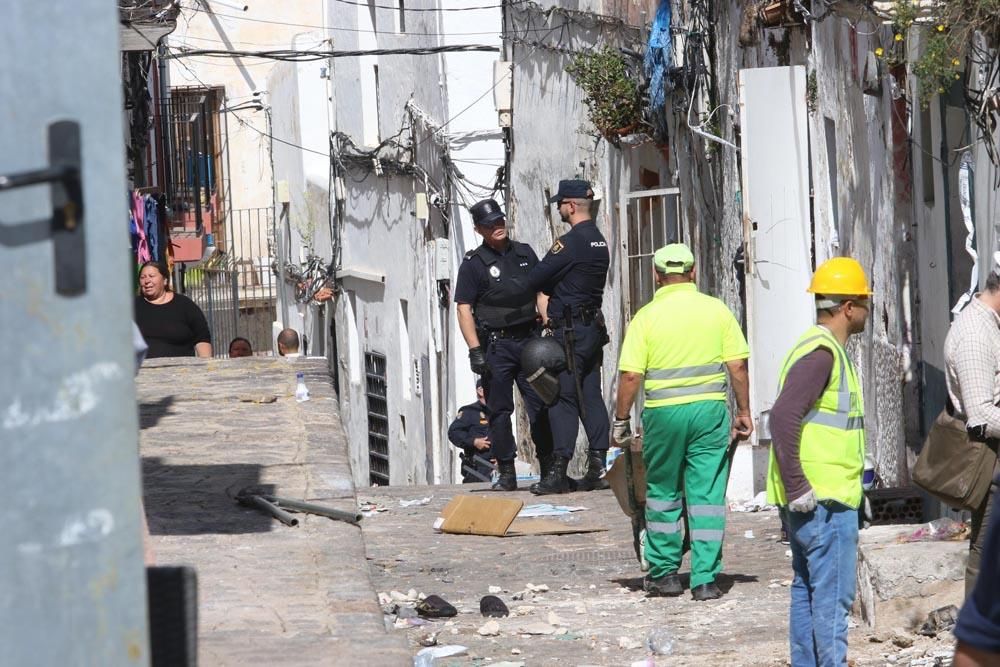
[495, 309]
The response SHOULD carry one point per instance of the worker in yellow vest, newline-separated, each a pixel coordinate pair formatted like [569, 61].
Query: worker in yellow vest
[679, 349]
[816, 462]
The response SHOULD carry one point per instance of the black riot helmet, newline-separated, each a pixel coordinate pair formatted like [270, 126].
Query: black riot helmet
[542, 360]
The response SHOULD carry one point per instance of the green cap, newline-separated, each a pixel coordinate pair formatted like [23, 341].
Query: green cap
[673, 258]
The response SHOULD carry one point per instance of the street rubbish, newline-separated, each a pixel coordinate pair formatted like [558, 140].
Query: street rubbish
[434, 606]
[660, 641]
[938, 530]
[370, 508]
[748, 534]
[426, 656]
[758, 504]
[547, 509]
[301, 391]
[628, 643]
[537, 629]
[310, 508]
[493, 607]
[267, 507]
[489, 629]
[495, 589]
[939, 620]
[430, 639]
[415, 502]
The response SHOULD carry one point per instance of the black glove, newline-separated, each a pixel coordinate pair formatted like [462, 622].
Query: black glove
[977, 433]
[477, 360]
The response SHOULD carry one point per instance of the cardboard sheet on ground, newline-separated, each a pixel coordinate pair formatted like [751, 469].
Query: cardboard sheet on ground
[619, 482]
[497, 517]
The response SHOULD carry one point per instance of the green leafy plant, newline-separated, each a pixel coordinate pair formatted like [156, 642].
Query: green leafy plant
[612, 92]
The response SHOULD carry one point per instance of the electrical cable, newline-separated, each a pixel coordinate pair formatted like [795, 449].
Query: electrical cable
[291, 55]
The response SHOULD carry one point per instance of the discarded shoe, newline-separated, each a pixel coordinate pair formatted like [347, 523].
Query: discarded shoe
[434, 606]
[493, 607]
[706, 592]
[669, 585]
[939, 620]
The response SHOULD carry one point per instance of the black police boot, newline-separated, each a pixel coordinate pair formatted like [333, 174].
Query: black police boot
[556, 481]
[508, 477]
[594, 480]
[544, 466]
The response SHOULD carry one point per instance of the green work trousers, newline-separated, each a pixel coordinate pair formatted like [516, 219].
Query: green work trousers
[685, 449]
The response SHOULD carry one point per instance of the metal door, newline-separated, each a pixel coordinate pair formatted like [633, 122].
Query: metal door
[776, 224]
[652, 220]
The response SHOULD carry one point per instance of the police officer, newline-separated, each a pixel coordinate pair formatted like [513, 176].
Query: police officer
[470, 432]
[496, 323]
[573, 275]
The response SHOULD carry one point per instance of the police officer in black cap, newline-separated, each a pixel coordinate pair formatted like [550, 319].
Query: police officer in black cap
[470, 432]
[496, 323]
[573, 275]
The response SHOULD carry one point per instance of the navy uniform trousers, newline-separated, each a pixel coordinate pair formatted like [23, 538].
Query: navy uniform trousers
[504, 360]
[564, 416]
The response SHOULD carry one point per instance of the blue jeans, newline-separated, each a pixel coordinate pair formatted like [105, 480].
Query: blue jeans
[824, 559]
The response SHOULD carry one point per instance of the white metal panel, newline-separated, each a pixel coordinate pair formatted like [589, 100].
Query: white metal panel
[775, 155]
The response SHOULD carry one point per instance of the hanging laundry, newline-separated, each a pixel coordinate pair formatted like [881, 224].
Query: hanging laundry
[139, 210]
[151, 223]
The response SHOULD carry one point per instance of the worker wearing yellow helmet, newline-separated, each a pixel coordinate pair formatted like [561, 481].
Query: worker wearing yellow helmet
[816, 463]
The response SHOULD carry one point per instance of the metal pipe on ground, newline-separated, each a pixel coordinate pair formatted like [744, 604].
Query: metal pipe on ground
[321, 510]
[264, 505]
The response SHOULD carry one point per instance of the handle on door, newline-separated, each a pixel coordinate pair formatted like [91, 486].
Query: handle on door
[65, 227]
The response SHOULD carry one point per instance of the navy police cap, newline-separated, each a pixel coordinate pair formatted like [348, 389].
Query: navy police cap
[486, 212]
[572, 189]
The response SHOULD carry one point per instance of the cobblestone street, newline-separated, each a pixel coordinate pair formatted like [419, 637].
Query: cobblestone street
[597, 612]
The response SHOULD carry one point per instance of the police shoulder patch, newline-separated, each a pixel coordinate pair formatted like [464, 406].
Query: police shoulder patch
[556, 247]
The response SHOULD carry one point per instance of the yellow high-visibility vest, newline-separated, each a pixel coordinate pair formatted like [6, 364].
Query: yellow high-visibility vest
[832, 444]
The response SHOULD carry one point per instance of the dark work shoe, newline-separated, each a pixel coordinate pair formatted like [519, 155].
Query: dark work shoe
[669, 585]
[594, 479]
[706, 592]
[556, 481]
[508, 477]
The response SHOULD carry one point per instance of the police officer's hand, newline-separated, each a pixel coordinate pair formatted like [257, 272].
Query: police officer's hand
[481, 443]
[806, 503]
[621, 431]
[742, 426]
[477, 360]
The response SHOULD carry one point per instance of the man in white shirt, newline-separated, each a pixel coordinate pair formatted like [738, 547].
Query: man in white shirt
[288, 343]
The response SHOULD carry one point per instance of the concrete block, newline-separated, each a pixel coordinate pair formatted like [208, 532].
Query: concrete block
[900, 583]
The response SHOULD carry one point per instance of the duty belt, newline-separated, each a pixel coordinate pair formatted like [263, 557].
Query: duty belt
[585, 315]
[514, 331]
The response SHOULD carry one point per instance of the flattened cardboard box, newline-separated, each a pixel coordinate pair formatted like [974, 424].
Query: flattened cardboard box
[497, 517]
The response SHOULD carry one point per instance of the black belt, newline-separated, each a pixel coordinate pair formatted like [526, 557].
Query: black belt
[585, 316]
[513, 331]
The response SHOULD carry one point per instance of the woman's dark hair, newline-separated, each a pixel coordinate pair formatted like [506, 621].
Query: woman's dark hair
[238, 338]
[160, 267]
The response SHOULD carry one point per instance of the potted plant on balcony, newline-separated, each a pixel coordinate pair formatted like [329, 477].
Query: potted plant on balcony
[611, 91]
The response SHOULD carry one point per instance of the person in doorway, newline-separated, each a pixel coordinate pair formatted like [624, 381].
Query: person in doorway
[172, 324]
[240, 347]
[816, 463]
[679, 349]
[971, 360]
[496, 327]
[470, 432]
[288, 343]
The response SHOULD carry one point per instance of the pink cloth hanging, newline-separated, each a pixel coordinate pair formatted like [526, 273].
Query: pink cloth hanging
[138, 210]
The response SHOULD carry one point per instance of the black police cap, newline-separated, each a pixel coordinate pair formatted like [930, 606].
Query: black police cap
[572, 189]
[486, 212]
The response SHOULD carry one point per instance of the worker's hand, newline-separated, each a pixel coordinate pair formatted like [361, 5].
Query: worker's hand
[621, 431]
[868, 479]
[804, 504]
[481, 443]
[742, 426]
[477, 360]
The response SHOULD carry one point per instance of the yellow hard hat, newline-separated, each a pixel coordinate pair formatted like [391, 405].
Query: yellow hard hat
[841, 276]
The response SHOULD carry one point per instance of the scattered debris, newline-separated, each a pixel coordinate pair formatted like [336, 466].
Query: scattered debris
[415, 502]
[493, 606]
[547, 509]
[495, 589]
[434, 606]
[628, 643]
[555, 620]
[430, 639]
[540, 588]
[758, 504]
[748, 534]
[402, 611]
[660, 641]
[939, 620]
[258, 398]
[523, 610]
[508, 663]
[880, 638]
[537, 629]
[402, 623]
[489, 629]
[409, 596]
[902, 641]
[938, 530]
[426, 656]
[369, 508]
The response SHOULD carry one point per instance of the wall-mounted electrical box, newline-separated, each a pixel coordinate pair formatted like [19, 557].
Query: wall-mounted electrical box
[442, 259]
[503, 73]
[421, 212]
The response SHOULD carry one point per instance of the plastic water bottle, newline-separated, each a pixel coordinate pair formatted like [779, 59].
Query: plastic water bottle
[301, 391]
[660, 641]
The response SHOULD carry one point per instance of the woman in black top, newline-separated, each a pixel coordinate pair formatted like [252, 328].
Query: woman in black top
[172, 324]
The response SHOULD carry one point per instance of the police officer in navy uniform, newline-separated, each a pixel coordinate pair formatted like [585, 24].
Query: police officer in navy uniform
[495, 324]
[573, 275]
[470, 432]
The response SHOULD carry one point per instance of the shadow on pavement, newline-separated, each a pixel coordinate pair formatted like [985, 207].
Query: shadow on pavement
[200, 499]
[151, 413]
